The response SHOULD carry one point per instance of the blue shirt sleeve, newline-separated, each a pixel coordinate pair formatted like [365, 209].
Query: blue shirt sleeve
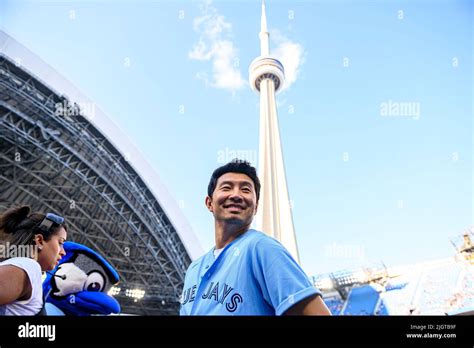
[282, 281]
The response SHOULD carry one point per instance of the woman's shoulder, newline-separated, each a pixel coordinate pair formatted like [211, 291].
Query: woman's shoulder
[31, 267]
[22, 262]
[31, 300]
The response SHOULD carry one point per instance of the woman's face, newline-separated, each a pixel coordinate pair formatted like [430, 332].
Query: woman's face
[52, 250]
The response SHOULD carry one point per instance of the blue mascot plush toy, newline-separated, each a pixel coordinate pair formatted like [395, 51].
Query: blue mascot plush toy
[79, 284]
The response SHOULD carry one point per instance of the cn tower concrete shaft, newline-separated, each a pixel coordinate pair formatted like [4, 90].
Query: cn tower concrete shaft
[274, 215]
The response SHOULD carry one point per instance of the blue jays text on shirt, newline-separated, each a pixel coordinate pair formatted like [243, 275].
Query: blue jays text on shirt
[253, 275]
[222, 294]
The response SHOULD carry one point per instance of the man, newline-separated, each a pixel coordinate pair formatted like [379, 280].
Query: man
[247, 272]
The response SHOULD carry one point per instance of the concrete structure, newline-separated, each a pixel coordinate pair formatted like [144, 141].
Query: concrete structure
[274, 215]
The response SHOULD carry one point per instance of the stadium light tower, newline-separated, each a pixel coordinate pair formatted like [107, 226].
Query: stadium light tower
[274, 212]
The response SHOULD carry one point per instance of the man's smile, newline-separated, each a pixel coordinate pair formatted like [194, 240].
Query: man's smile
[233, 206]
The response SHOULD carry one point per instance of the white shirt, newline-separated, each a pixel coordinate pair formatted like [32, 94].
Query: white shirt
[33, 305]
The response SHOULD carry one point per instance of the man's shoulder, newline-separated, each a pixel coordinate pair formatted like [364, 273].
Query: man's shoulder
[259, 240]
[253, 237]
[264, 246]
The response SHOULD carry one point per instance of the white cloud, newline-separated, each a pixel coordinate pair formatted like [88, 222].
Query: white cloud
[214, 45]
[291, 54]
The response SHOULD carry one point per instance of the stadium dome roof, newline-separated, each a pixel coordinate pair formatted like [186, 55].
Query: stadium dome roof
[79, 163]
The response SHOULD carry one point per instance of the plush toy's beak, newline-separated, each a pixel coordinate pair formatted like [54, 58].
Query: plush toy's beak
[68, 279]
[88, 302]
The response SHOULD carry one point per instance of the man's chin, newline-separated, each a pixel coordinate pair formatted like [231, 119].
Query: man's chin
[234, 220]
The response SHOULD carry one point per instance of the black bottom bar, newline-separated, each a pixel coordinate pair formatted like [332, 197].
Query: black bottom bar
[288, 331]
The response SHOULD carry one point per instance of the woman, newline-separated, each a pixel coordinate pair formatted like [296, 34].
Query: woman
[43, 237]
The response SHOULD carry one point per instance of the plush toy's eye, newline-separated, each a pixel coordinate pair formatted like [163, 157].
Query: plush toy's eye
[95, 282]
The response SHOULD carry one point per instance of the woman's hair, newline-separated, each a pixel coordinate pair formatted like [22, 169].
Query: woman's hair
[19, 226]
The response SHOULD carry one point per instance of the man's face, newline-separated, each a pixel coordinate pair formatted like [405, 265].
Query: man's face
[234, 199]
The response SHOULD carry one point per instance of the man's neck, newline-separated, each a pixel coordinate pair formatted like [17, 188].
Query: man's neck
[226, 233]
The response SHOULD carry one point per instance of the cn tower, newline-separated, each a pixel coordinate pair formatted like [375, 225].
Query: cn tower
[274, 215]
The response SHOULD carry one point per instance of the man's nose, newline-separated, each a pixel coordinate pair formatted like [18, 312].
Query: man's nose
[236, 196]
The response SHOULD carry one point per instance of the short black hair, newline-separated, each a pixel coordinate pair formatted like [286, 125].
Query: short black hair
[234, 166]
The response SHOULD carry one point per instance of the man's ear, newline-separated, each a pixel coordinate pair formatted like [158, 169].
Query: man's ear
[208, 202]
[256, 208]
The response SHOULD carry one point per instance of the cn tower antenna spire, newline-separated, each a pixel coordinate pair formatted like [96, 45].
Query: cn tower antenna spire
[264, 18]
[264, 34]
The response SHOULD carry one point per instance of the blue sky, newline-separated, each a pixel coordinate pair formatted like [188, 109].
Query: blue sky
[376, 125]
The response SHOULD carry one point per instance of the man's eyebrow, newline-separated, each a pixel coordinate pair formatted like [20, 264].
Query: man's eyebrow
[242, 183]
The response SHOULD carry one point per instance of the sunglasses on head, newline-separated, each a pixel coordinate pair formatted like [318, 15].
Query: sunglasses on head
[49, 221]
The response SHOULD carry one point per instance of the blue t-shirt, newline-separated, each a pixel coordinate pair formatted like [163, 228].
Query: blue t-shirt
[253, 275]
